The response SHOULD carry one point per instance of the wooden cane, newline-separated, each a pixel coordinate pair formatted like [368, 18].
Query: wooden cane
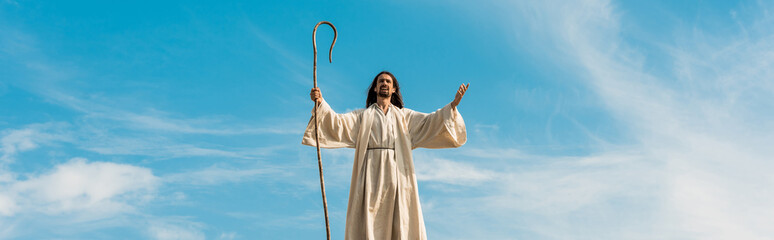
[316, 105]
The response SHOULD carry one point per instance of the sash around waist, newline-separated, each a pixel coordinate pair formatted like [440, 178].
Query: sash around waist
[373, 148]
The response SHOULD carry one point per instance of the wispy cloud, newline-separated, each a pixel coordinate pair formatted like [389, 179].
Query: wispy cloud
[289, 60]
[682, 122]
[97, 108]
[174, 229]
[218, 175]
[15, 141]
[440, 170]
[81, 196]
[697, 167]
[229, 235]
[122, 126]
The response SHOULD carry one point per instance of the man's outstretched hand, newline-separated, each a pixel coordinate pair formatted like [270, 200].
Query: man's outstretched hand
[460, 93]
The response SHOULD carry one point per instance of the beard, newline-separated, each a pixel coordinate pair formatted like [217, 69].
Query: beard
[383, 94]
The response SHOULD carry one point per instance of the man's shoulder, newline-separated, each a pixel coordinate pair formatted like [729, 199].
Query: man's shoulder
[358, 112]
[406, 110]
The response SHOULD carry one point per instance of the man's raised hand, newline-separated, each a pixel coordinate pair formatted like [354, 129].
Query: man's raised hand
[316, 95]
[460, 93]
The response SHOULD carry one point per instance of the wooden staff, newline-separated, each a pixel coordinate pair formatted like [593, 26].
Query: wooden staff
[316, 104]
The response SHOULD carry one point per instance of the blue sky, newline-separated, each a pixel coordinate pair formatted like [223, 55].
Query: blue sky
[587, 119]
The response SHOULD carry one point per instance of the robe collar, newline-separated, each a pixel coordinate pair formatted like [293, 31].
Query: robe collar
[377, 108]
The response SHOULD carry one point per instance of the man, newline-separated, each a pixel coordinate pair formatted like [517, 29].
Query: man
[383, 196]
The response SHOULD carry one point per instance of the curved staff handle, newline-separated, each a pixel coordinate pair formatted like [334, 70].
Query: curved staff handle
[316, 105]
[314, 45]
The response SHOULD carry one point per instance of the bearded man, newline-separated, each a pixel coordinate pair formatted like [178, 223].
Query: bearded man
[383, 194]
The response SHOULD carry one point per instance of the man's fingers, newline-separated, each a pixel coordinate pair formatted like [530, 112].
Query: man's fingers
[463, 88]
[461, 92]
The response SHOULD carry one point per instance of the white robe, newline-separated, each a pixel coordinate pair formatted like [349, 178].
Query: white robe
[383, 195]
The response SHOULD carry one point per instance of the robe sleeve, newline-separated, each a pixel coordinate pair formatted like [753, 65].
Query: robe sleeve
[336, 130]
[443, 128]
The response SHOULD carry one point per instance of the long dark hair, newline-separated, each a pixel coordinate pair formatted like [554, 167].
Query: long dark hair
[396, 99]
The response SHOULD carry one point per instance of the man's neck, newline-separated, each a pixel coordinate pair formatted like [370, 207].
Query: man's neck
[384, 103]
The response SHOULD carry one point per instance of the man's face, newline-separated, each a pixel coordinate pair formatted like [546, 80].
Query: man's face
[384, 86]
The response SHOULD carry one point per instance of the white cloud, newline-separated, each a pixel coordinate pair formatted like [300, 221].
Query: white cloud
[562, 186]
[96, 190]
[433, 169]
[73, 197]
[17, 141]
[7, 205]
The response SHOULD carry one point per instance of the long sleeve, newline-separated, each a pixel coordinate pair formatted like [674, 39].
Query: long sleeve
[336, 130]
[443, 128]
